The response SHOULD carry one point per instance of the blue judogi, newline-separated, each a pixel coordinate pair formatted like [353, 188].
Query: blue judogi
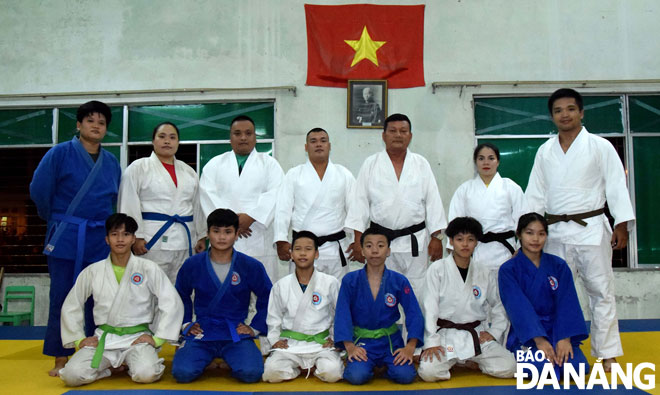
[219, 308]
[75, 195]
[356, 307]
[542, 302]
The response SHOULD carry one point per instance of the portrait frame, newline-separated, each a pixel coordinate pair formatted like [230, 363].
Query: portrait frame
[366, 110]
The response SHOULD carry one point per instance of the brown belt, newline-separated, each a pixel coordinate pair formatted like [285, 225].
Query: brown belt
[466, 327]
[553, 218]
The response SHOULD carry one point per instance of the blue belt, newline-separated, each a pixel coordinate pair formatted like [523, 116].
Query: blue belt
[231, 326]
[169, 221]
[82, 223]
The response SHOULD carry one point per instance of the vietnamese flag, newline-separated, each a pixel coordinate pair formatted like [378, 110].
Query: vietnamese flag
[365, 41]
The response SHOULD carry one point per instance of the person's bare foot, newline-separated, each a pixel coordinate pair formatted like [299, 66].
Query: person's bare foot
[119, 369]
[59, 364]
[607, 364]
[471, 365]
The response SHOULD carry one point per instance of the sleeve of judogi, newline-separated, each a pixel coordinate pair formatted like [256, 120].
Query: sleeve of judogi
[129, 197]
[260, 285]
[431, 300]
[616, 191]
[44, 182]
[72, 321]
[413, 313]
[569, 320]
[170, 306]
[457, 204]
[521, 313]
[184, 287]
[436, 220]
[284, 208]
[264, 211]
[333, 293]
[358, 209]
[518, 201]
[208, 187]
[350, 191]
[499, 322]
[536, 189]
[199, 220]
[275, 313]
[343, 317]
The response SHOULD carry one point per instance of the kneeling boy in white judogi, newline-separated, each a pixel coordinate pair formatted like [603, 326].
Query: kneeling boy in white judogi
[128, 292]
[301, 312]
[457, 298]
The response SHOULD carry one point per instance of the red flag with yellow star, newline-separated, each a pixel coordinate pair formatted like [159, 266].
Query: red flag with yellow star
[365, 41]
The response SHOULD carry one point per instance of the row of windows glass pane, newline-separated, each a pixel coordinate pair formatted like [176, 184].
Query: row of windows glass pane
[647, 193]
[644, 114]
[32, 126]
[529, 115]
[200, 121]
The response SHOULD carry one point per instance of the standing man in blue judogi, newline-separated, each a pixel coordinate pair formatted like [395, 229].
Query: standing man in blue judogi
[75, 188]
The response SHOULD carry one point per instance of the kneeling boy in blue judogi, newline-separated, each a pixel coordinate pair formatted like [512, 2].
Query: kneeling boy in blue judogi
[128, 292]
[367, 312]
[222, 279]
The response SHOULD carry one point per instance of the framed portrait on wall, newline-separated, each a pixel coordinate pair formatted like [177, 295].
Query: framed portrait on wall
[367, 104]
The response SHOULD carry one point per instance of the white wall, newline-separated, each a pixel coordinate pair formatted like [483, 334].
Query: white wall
[113, 45]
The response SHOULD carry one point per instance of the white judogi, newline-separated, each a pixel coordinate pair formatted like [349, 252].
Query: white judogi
[253, 192]
[448, 297]
[398, 204]
[146, 186]
[311, 312]
[581, 180]
[497, 207]
[305, 202]
[144, 290]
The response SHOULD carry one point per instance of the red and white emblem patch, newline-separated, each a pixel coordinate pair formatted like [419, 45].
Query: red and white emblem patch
[235, 278]
[137, 278]
[390, 300]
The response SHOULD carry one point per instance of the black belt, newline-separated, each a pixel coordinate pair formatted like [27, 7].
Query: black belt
[411, 230]
[465, 327]
[501, 237]
[553, 218]
[333, 237]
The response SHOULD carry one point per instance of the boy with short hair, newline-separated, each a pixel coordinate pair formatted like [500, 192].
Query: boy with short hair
[125, 290]
[367, 312]
[222, 280]
[458, 295]
[301, 311]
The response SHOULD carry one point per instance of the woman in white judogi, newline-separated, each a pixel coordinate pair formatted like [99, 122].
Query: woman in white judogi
[156, 189]
[123, 311]
[495, 202]
[303, 320]
[458, 297]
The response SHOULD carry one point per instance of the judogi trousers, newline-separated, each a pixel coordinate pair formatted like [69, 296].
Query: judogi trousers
[494, 360]
[169, 261]
[243, 357]
[282, 366]
[61, 282]
[593, 265]
[144, 366]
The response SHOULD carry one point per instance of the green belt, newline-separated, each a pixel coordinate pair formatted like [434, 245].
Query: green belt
[115, 330]
[318, 338]
[360, 333]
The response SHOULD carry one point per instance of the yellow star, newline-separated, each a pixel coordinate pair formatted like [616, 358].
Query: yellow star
[365, 48]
